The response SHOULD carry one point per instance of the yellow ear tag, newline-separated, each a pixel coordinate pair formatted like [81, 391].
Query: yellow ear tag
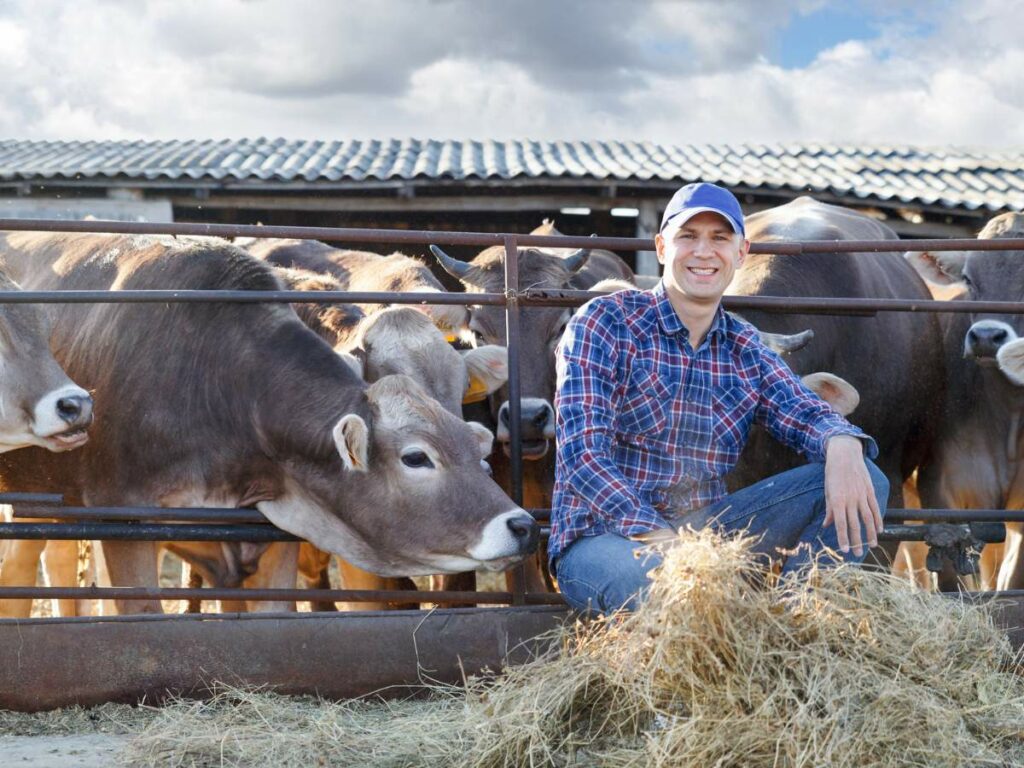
[475, 392]
[451, 338]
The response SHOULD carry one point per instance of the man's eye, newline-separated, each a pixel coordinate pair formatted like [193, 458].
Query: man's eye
[417, 460]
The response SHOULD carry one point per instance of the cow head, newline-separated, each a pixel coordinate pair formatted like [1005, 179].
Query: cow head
[540, 331]
[403, 340]
[984, 276]
[39, 404]
[410, 492]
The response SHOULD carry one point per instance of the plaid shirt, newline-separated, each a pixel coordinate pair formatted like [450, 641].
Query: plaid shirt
[647, 426]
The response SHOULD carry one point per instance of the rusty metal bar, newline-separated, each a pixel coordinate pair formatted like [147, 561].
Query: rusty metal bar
[336, 656]
[287, 595]
[424, 237]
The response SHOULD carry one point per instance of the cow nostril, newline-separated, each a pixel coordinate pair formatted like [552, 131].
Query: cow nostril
[526, 531]
[540, 418]
[68, 408]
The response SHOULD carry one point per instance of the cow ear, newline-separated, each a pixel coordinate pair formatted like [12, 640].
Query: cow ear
[488, 370]
[484, 438]
[837, 392]
[352, 437]
[1011, 361]
[941, 267]
[354, 359]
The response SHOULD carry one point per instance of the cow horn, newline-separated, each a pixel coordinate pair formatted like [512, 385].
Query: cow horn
[786, 342]
[574, 261]
[453, 267]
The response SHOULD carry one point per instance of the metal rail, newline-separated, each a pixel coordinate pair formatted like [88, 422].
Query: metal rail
[426, 237]
[396, 596]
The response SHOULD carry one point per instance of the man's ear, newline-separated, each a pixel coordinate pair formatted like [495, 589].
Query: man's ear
[487, 367]
[659, 248]
[352, 438]
[940, 267]
[484, 438]
[837, 392]
[744, 250]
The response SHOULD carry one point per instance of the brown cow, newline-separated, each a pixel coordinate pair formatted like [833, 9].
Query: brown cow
[363, 271]
[240, 404]
[978, 457]
[893, 359]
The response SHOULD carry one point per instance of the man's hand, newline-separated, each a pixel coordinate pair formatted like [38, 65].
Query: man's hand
[849, 495]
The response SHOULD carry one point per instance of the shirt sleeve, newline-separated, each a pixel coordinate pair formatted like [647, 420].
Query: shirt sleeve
[586, 364]
[796, 416]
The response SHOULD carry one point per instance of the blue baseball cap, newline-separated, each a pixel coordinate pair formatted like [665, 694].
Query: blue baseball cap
[692, 199]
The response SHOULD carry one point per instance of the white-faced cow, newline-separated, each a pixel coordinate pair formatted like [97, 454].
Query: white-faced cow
[223, 404]
[891, 358]
[978, 458]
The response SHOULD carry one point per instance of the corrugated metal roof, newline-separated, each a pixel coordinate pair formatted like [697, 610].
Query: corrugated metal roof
[949, 176]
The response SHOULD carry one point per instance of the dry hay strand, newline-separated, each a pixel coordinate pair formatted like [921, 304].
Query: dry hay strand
[845, 668]
[72, 721]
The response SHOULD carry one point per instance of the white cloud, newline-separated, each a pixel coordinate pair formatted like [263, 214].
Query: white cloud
[674, 72]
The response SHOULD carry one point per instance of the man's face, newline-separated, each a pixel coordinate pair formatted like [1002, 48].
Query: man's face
[700, 257]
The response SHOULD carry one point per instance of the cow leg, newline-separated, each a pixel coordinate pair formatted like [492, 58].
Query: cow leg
[133, 564]
[910, 564]
[356, 578]
[991, 559]
[278, 569]
[19, 564]
[1011, 572]
[60, 568]
[313, 568]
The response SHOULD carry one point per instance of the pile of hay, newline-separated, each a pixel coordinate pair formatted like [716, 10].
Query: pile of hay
[850, 669]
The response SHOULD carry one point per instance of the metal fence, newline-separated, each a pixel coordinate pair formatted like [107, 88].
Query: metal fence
[177, 524]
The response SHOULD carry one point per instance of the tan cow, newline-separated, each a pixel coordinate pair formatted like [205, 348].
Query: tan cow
[223, 404]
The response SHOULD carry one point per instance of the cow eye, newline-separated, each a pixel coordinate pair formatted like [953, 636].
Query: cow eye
[417, 460]
[479, 338]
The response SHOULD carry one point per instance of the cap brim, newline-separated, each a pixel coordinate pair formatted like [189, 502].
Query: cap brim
[688, 213]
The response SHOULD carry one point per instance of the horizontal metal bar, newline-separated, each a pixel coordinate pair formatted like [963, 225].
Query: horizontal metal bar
[425, 237]
[247, 297]
[288, 595]
[143, 532]
[329, 655]
[144, 514]
[956, 515]
[988, 532]
[55, 499]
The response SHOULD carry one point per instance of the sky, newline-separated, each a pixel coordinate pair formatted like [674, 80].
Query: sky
[932, 72]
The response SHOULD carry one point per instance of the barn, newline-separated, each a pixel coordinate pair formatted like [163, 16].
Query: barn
[613, 188]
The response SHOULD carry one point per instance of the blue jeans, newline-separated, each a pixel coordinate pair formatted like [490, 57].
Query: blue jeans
[600, 574]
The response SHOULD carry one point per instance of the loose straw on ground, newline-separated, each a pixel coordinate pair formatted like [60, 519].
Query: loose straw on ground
[848, 668]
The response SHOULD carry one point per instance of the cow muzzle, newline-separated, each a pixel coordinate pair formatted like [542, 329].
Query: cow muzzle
[62, 417]
[985, 338]
[507, 538]
[536, 427]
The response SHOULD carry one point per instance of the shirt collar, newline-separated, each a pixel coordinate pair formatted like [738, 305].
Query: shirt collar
[670, 322]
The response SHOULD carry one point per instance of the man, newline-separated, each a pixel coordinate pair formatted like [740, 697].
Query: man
[657, 391]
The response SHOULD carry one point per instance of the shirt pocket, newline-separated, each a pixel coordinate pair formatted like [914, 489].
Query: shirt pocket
[646, 407]
[732, 413]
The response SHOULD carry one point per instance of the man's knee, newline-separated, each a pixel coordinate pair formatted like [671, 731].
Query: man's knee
[602, 574]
